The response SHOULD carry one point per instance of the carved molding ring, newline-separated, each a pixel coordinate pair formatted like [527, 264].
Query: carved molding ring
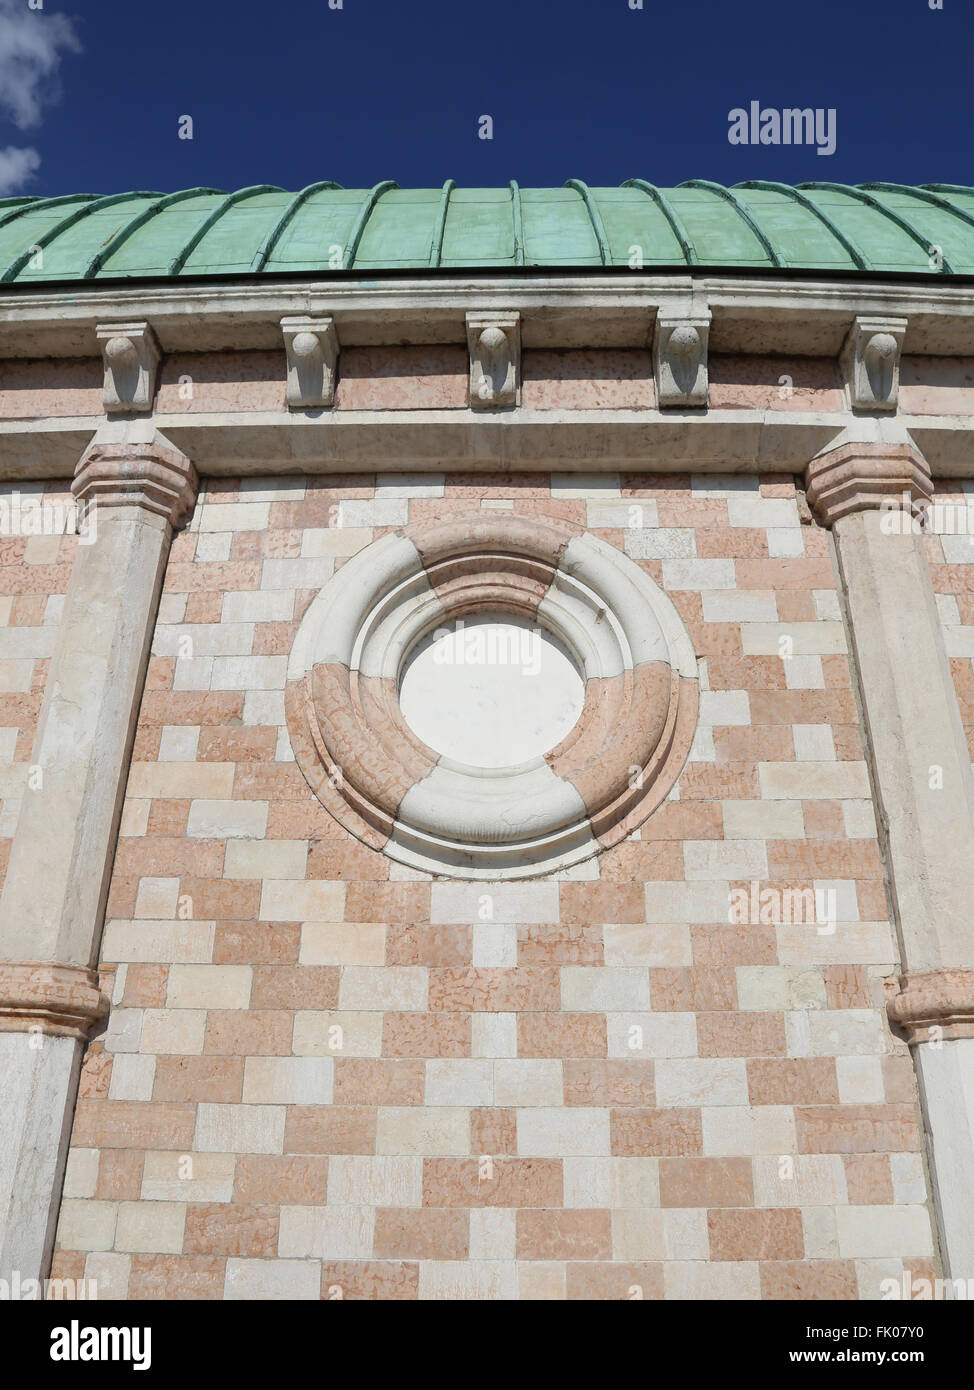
[396, 794]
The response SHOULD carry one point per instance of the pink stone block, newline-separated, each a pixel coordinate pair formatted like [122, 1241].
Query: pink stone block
[403, 378]
[774, 383]
[937, 385]
[600, 379]
[191, 383]
[37, 389]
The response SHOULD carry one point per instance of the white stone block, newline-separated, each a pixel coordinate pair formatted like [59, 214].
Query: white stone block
[654, 946]
[742, 1131]
[494, 944]
[288, 1080]
[209, 986]
[763, 820]
[791, 640]
[493, 1234]
[375, 1182]
[493, 1035]
[721, 860]
[698, 574]
[399, 987]
[276, 859]
[421, 1130]
[725, 708]
[860, 1080]
[603, 988]
[814, 743]
[342, 943]
[245, 1129]
[741, 606]
[692, 1081]
[814, 781]
[835, 1033]
[288, 900]
[526, 903]
[337, 1034]
[265, 1281]
[804, 673]
[528, 1081]
[799, 1180]
[459, 1081]
[164, 942]
[560, 1133]
[132, 1077]
[249, 672]
[645, 1036]
[877, 1232]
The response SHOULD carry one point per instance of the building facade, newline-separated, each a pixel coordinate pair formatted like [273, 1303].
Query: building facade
[486, 701]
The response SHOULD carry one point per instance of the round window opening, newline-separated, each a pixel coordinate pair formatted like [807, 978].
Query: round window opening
[491, 691]
[491, 697]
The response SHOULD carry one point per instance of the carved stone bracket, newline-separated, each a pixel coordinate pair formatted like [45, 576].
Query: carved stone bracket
[311, 345]
[62, 1001]
[131, 358]
[495, 360]
[871, 361]
[934, 1005]
[680, 343]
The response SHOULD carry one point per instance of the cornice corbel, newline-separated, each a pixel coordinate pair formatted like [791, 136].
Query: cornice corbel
[130, 356]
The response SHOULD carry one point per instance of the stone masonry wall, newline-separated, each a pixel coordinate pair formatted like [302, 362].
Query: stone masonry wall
[592, 1085]
[951, 558]
[34, 574]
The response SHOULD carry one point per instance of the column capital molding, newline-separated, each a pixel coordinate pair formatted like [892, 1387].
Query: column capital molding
[62, 1001]
[153, 476]
[859, 477]
[934, 1004]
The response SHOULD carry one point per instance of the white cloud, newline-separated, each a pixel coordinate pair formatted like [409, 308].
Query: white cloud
[31, 44]
[17, 167]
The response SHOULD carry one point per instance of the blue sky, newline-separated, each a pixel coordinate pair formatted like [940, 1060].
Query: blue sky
[291, 91]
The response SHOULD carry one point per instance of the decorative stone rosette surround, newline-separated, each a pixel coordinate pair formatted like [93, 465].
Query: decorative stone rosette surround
[616, 765]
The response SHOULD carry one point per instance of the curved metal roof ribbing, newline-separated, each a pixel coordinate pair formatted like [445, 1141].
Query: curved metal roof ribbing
[757, 225]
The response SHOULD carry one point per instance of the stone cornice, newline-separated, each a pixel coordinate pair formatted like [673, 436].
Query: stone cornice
[248, 444]
[934, 1005]
[61, 1001]
[153, 476]
[859, 477]
[787, 314]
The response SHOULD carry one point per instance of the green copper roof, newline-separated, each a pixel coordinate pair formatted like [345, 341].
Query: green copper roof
[878, 227]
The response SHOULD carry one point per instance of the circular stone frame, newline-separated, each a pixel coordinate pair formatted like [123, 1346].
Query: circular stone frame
[382, 783]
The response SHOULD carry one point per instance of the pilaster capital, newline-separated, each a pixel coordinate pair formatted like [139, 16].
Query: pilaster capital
[153, 476]
[62, 1001]
[934, 1004]
[865, 476]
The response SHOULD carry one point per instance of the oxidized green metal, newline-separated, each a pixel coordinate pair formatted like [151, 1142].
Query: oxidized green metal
[880, 227]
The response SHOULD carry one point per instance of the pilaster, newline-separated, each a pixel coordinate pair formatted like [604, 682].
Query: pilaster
[136, 489]
[873, 495]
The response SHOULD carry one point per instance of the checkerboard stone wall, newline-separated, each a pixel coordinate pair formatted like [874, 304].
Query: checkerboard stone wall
[951, 557]
[326, 1075]
[34, 573]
